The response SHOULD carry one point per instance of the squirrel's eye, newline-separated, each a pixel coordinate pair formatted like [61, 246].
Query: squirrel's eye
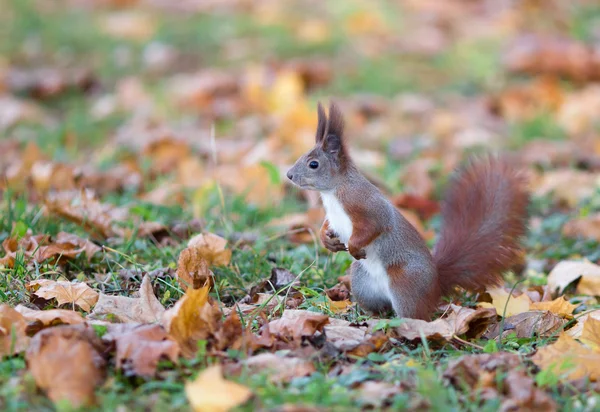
[314, 164]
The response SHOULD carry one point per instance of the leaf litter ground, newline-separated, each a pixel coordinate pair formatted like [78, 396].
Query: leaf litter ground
[154, 257]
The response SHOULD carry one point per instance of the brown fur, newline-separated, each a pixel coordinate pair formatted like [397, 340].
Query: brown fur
[423, 305]
[484, 214]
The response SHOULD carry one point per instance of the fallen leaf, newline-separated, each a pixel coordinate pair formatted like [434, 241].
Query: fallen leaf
[461, 321]
[295, 324]
[559, 306]
[278, 368]
[591, 334]
[209, 392]
[567, 357]
[139, 348]
[529, 324]
[212, 248]
[193, 270]
[193, 318]
[130, 25]
[75, 293]
[507, 304]
[577, 330]
[13, 335]
[568, 186]
[376, 394]
[144, 309]
[65, 362]
[566, 272]
[39, 319]
[586, 227]
[42, 247]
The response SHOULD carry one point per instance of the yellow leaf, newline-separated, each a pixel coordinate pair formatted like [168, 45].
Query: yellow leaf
[339, 306]
[569, 271]
[211, 393]
[560, 306]
[569, 357]
[193, 318]
[515, 305]
[591, 333]
[287, 90]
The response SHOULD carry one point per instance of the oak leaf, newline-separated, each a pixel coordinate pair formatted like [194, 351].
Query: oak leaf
[209, 392]
[74, 293]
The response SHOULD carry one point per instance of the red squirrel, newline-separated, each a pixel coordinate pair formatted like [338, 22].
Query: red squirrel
[484, 216]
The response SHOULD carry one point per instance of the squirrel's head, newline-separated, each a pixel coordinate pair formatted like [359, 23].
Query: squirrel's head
[323, 166]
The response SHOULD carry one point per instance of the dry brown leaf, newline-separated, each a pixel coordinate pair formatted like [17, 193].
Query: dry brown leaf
[209, 392]
[279, 368]
[78, 294]
[295, 324]
[507, 304]
[568, 186]
[13, 335]
[559, 306]
[212, 248]
[38, 319]
[587, 227]
[143, 309]
[42, 247]
[567, 357]
[482, 373]
[376, 394]
[101, 220]
[130, 25]
[461, 321]
[193, 270]
[65, 362]
[591, 334]
[569, 271]
[193, 318]
[529, 324]
[139, 348]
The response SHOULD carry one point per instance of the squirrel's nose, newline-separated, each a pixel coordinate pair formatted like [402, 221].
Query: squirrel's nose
[290, 175]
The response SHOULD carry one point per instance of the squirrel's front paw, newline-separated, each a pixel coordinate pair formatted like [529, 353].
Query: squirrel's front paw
[333, 244]
[358, 254]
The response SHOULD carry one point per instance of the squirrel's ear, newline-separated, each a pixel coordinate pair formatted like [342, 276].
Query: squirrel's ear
[332, 144]
[334, 132]
[322, 123]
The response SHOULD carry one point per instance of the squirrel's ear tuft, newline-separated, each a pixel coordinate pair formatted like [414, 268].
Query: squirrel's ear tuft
[336, 121]
[322, 123]
[332, 144]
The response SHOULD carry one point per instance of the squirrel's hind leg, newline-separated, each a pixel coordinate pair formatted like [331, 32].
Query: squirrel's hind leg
[366, 292]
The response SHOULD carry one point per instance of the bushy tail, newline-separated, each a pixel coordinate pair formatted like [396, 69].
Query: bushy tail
[484, 217]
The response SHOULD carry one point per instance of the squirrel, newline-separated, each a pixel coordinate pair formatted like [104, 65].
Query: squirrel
[484, 216]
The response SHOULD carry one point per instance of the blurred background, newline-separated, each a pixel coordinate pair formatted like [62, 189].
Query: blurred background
[199, 107]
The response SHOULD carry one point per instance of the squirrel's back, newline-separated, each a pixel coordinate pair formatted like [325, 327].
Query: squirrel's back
[484, 217]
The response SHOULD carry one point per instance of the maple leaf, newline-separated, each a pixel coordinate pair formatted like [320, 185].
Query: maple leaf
[507, 304]
[65, 362]
[209, 392]
[212, 248]
[144, 309]
[13, 336]
[295, 324]
[193, 318]
[193, 270]
[559, 306]
[139, 348]
[78, 294]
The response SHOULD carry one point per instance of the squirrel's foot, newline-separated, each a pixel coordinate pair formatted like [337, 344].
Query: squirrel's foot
[358, 254]
[333, 244]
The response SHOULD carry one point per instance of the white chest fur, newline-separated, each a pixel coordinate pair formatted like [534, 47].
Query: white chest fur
[337, 217]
